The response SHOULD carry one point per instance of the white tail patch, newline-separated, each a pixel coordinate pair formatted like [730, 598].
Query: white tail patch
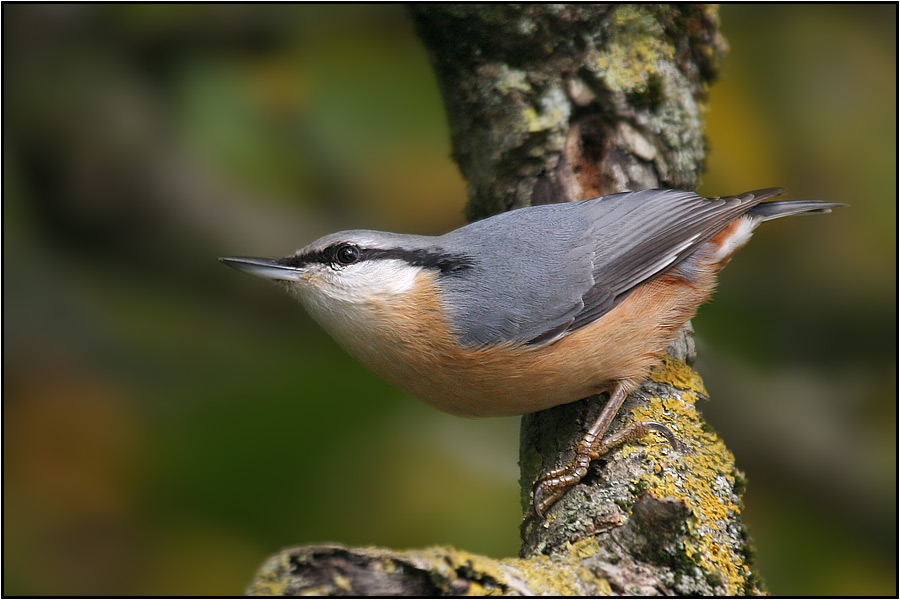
[738, 238]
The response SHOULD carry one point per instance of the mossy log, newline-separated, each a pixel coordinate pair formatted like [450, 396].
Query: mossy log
[554, 103]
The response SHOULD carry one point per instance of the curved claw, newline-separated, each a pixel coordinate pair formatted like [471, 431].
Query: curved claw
[665, 432]
[540, 499]
[537, 499]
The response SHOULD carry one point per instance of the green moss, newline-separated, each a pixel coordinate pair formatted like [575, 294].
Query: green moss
[754, 583]
[638, 487]
[682, 562]
[651, 96]
[624, 504]
[740, 482]
[714, 579]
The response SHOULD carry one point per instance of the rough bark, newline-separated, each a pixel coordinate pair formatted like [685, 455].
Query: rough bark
[554, 103]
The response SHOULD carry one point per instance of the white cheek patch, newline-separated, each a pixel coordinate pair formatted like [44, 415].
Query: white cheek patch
[368, 280]
[375, 280]
[737, 239]
[342, 300]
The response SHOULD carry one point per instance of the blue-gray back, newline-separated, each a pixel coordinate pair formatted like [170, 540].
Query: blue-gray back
[538, 273]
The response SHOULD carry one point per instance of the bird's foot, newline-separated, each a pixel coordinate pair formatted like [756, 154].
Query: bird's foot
[551, 486]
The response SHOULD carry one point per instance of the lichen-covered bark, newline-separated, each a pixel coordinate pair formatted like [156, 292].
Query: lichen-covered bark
[335, 570]
[554, 103]
[662, 521]
[561, 102]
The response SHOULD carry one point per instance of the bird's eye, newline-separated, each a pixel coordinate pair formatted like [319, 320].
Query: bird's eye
[346, 255]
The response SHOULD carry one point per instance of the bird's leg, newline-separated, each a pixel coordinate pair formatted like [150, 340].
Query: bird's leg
[552, 485]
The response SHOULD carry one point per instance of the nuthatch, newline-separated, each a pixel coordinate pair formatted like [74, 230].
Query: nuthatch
[528, 309]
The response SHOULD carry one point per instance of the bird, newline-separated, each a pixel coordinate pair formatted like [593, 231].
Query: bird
[531, 308]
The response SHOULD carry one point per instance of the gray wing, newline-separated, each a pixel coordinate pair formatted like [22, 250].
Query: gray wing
[542, 272]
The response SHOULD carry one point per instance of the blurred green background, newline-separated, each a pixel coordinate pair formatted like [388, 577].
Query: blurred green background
[168, 423]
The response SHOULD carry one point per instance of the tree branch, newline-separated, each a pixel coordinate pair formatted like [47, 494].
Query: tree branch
[554, 103]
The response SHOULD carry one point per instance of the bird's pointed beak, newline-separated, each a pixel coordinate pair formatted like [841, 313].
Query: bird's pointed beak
[270, 268]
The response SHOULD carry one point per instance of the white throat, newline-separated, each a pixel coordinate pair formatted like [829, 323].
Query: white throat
[349, 303]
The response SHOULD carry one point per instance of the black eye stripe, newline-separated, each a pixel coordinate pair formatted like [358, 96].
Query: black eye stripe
[430, 258]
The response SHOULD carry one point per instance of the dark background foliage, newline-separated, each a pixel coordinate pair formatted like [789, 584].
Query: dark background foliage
[168, 423]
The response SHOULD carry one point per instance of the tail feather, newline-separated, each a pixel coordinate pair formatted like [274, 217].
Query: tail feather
[764, 194]
[785, 208]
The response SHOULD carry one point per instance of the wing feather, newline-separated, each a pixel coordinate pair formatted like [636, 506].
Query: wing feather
[663, 228]
[542, 272]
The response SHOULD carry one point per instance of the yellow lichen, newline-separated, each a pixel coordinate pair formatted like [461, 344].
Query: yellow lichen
[585, 548]
[512, 79]
[561, 575]
[603, 587]
[342, 582]
[460, 559]
[475, 589]
[691, 476]
[548, 577]
[633, 55]
[268, 588]
[534, 121]
[679, 374]
[387, 566]
[270, 580]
